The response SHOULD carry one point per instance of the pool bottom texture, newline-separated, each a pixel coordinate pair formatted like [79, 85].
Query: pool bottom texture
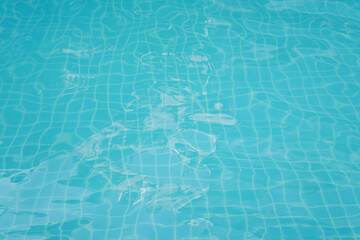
[179, 119]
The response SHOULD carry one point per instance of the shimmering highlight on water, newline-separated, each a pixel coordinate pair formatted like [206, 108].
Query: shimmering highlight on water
[178, 119]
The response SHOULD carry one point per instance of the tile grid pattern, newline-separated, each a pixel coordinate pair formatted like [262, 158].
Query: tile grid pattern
[196, 120]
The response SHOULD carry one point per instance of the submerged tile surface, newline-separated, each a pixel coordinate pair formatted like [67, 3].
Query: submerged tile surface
[164, 119]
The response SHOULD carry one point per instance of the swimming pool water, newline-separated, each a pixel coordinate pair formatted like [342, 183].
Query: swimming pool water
[179, 119]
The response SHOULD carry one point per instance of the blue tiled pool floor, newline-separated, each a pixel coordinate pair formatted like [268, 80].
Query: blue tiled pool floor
[164, 119]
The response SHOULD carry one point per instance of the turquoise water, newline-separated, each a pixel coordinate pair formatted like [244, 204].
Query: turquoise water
[202, 119]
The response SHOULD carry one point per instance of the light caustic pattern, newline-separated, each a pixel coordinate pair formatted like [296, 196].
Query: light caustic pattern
[155, 119]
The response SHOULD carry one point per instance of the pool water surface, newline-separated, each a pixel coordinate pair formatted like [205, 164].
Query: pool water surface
[179, 119]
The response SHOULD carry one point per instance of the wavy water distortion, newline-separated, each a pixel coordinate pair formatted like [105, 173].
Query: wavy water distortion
[179, 119]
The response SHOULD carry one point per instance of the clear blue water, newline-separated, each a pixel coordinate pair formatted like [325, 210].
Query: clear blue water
[167, 119]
